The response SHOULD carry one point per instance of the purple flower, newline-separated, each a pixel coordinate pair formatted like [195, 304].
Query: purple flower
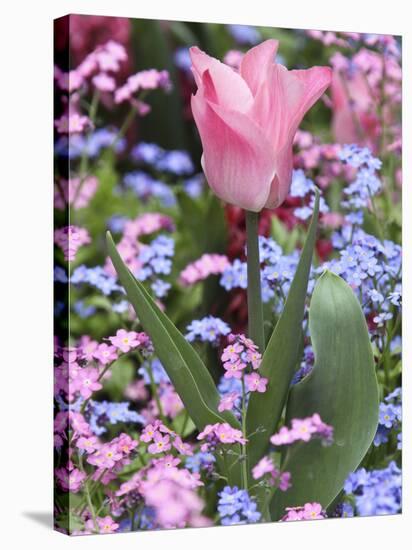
[209, 329]
[301, 185]
[235, 506]
[377, 492]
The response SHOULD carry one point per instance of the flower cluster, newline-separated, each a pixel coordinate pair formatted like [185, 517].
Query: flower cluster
[220, 433]
[126, 340]
[171, 493]
[81, 370]
[337, 38]
[201, 462]
[304, 189]
[390, 418]
[155, 260]
[376, 492]
[199, 270]
[113, 455]
[70, 239]
[238, 356]
[75, 192]
[304, 429]
[102, 413]
[175, 162]
[96, 277]
[366, 184]
[162, 439]
[130, 246]
[108, 458]
[266, 469]
[168, 491]
[151, 79]
[311, 510]
[91, 145]
[105, 525]
[235, 507]
[234, 275]
[72, 124]
[277, 271]
[372, 268]
[209, 329]
[70, 480]
[145, 187]
[105, 59]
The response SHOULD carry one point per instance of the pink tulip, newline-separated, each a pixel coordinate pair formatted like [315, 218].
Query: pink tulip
[247, 121]
[354, 110]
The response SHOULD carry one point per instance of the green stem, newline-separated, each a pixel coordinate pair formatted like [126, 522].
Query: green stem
[243, 447]
[88, 496]
[80, 508]
[266, 505]
[125, 126]
[90, 506]
[254, 294]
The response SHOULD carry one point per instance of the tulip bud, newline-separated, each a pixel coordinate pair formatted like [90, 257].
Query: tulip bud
[247, 121]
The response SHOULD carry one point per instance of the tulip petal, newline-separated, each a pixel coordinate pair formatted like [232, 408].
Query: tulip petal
[314, 82]
[280, 104]
[230, 88]
[285, 97]
[238, 160]
[256, 63]
[280, 185]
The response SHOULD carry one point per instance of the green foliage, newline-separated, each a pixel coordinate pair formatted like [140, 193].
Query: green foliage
[123, 373]
[187, 372]
[342, 388]
[281, 357]
[283, 236]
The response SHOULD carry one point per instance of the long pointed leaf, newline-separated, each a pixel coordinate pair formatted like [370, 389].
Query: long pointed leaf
[342, 388]
[187, 372]
[281, 356]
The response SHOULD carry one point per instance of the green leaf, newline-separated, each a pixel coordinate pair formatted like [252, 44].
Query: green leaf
[123, 372]
[342, 388]
[183, 425]
[187, 372]
[285, 237]
[281, 356]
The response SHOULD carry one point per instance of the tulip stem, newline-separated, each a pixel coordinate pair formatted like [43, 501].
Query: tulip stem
[254, 293]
